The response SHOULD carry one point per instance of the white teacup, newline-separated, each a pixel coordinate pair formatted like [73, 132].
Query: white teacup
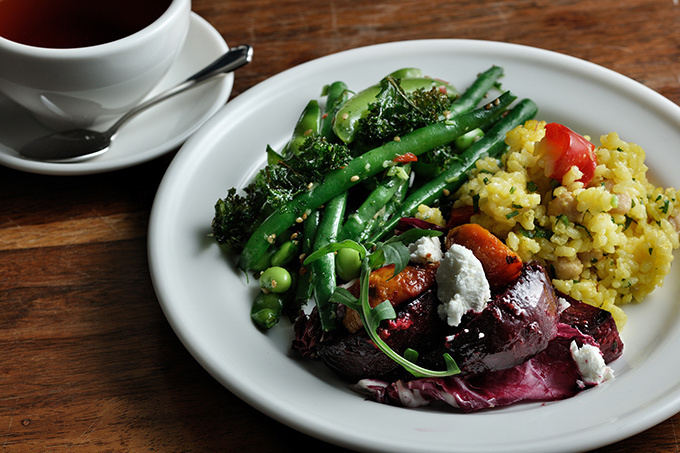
[86, 83]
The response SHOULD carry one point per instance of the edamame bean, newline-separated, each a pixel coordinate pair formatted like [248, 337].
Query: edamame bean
[275, 279]
[347, 264]
[266, 310]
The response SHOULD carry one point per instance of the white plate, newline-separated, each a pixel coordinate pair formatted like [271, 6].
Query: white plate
[152, 133]
[207, 301]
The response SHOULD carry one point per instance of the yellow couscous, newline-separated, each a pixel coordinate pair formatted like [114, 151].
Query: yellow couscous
[606, 244]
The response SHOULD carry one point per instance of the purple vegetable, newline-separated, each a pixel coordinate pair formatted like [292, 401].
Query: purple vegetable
[407, 223]
[551, 375]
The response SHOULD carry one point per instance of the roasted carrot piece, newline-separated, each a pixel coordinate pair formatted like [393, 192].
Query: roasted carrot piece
[384, 285]
[409, 283]
[501, 265]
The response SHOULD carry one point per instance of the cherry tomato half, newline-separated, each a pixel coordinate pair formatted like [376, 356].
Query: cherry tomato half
[564, 148]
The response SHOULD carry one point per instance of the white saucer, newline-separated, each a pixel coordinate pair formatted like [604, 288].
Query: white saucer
[150, 134]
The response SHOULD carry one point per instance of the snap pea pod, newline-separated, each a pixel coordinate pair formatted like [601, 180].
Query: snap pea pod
[366, 165]
[307, 124]
[378, 223]
[323, 269]
[466, 140]
[407, 73]
[492, 144]
[357, 107]
[274, 157]
[264, 262]
[474, 94]
[337, 93]
[285, 253]
[357, 221]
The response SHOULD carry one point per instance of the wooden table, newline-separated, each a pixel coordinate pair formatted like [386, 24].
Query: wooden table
[89, 362]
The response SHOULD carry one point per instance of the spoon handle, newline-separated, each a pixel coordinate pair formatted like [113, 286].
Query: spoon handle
[233, 59]
[230, 61]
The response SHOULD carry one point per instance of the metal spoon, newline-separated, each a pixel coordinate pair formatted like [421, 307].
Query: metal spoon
[76, 145]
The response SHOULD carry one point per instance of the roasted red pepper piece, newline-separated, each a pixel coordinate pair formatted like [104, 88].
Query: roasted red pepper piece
[405, 158]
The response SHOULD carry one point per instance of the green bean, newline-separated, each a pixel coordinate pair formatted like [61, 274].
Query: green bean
[356, 107]
[476, 92]
[309, 227]
[336, 94]
[357, 222]
[307, 124]
[492, 144]
[303, 289]
[323, 269]
[368, 164]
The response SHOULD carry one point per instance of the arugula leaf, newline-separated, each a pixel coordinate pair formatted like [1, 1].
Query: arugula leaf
[342, 296]
[395, 253]
[411, 355]
[334, 247]
[412, 235]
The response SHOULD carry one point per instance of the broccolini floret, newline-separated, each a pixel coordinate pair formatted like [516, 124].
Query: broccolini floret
[236, 215]
[396, 112]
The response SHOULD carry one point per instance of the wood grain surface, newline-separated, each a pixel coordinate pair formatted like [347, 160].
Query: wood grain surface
[89, 362]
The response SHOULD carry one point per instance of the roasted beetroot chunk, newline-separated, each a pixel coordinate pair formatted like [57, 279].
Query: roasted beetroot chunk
[355, 356]
[595, 322]
[517, 324]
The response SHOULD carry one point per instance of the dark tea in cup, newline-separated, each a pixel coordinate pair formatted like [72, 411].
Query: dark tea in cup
[75, 23]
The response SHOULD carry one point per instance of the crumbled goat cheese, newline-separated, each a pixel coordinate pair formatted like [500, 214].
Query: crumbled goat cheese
[590, 363]
[562, 304]
[426, 250]
[462, 285]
